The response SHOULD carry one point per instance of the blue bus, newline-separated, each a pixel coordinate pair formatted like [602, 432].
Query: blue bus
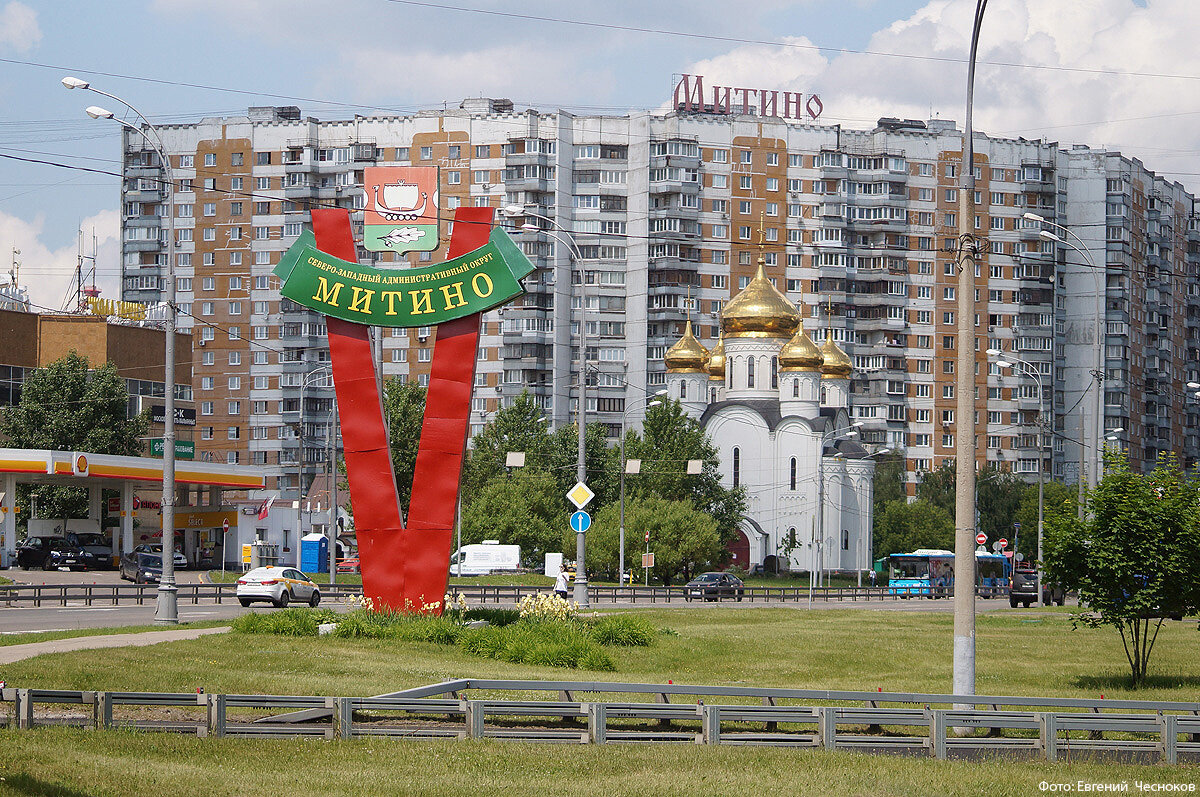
[930, 572]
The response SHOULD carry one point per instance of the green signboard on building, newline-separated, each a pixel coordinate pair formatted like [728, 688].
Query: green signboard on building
[184, 449]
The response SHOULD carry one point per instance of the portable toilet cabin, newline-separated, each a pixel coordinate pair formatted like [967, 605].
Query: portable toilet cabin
[314, 553]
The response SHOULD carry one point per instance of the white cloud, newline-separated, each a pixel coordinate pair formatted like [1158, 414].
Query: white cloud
[1149, 117]
[19, 29]
[49, 273]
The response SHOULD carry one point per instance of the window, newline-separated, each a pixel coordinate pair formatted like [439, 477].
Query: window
[234, 408]
[792, 479]
[737, 466]
[210, 159]
[426, 153]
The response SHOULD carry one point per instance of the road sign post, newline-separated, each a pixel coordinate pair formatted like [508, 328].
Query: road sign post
[980, 538]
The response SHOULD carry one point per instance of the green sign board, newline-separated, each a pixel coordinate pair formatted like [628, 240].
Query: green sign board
[184, 449]
[406, 297]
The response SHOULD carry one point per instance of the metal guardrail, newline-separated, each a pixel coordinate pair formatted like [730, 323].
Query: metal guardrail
[138, 594]
[875, 721]
[115, 594]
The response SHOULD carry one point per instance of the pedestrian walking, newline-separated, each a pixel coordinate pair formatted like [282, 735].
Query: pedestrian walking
[560, 583]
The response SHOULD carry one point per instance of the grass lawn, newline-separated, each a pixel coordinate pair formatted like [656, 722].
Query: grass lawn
[1026, 653]
[72, 763]
[46, 636]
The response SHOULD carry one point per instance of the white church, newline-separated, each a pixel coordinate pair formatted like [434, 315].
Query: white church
[777, 408]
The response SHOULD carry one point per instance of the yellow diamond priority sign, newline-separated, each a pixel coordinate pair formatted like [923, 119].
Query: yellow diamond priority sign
[580, 494]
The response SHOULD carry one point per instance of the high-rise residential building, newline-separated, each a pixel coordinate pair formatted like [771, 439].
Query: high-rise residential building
[656, 217]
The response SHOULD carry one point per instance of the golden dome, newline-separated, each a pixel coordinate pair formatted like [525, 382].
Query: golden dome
[759, 311]
[716, 361]
[800, 353]
[838, 364]
[688, 355]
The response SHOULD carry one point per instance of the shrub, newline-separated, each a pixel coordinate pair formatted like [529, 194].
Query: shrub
[622, 629]
[493, 616]
[288, 622]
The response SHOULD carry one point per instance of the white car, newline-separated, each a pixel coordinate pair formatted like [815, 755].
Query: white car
[180, 560]
[277, 585]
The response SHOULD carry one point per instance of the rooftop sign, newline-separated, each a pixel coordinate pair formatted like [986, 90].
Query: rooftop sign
[690, 97]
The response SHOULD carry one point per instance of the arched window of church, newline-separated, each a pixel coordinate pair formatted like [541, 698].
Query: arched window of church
[712, 395]
[737, 466]
[749, 372]
[793, 476]
[845, 539]
[795, 388]
[774, 373]
[792, 537]
[824, 395]
[682, 389]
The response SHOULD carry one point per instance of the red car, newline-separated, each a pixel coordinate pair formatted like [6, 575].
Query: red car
[349, 565]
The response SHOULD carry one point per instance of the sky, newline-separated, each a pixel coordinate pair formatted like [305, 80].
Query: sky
[1122, 74]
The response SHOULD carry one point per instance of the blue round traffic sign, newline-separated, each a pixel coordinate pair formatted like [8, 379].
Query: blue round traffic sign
[581, 521]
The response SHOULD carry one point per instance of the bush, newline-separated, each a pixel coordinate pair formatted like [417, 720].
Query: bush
[622, 629]
[545, 606]
[288, 622]
[493, 616]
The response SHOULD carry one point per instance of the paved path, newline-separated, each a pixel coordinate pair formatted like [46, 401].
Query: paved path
[11, 653]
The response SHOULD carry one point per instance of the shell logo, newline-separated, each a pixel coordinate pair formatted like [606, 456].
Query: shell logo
[81, 465]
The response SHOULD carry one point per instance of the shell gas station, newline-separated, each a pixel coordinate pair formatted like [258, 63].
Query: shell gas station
[202, 518]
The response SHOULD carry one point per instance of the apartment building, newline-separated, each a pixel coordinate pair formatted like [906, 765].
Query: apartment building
[656, 217]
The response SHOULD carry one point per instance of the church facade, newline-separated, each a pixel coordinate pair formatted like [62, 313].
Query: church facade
[776, 406]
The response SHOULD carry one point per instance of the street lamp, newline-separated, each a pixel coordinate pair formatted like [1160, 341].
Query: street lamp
[1029, 369]
[624, 469]
[521, 211]
[1076, 244]
[965, 453]
[304, 384]
[166, 609]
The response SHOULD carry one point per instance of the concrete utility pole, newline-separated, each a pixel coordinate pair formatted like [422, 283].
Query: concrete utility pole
[964, 520]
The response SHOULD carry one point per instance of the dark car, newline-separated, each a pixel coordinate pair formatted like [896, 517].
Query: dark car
[1023, 589]
[141, 568]
[713, 587]
[96, 548]
[35, 552]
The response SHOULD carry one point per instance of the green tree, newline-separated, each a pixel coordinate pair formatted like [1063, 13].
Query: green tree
[68, 406]
[998, 495]
[517, 510]
[902, 527]
[1057, 497]
[563, 463]
[1135, 557]
[518, 427]
[889, 481]
[668, 440]
[404, 409]
[684, 540]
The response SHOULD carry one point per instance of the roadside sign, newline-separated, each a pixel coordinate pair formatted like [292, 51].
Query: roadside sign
[580, 495]
[980, 538]
[581, 521]
[647, 535]
[225, 524]
[184, 449]
[1003, 542]
[647, 560]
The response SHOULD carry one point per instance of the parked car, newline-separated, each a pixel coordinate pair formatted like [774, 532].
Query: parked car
[96, 548]
[141, 568]
[277, 585]
[35, 552]
[714, 587]
[156, 548]
[349, 565]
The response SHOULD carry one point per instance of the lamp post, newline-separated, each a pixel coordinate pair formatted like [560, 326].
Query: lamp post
[965, 455]
[1076, 244]
[166, 609]
[819, 530]
[624, 417]
[1029, 369]
[304, 383]
[568, 240]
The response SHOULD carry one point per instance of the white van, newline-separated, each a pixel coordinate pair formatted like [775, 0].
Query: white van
[487, 557]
